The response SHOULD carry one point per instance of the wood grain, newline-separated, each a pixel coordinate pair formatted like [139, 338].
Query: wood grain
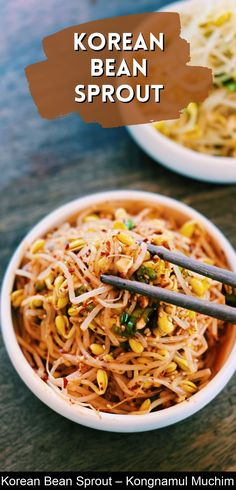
[44, 164]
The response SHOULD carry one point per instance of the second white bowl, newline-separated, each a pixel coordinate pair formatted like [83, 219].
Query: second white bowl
[177, 157]
[221, 170]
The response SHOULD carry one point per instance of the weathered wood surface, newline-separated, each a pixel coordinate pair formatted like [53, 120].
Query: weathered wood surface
[44, 164]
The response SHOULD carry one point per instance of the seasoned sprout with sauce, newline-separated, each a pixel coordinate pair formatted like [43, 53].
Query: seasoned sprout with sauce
[110, 350]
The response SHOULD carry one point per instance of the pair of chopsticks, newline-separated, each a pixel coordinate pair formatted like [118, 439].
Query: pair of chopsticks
[221, 312]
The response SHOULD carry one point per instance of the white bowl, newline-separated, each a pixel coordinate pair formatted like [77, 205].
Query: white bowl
[177, 157]
[85, 416]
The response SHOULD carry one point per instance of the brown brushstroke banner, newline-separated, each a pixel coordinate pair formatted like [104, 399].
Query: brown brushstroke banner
[53, 82]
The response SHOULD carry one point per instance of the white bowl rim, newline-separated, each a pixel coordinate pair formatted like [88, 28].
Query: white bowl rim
[221, 167]
[85, 416]
[194, 155]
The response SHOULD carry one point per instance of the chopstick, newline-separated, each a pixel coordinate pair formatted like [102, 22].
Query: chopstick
[221, 312]
[177, 258]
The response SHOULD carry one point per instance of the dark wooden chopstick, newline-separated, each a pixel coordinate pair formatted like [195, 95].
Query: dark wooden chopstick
[221, 312]
[221, 275]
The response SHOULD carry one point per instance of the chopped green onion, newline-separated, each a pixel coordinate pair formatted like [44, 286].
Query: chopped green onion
[124, 317]
[230, 84]
[129, 329]
[129, 224]
[146, 273]
[130, 321]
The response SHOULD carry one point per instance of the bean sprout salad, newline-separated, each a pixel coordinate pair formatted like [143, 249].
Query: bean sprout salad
[110, 350]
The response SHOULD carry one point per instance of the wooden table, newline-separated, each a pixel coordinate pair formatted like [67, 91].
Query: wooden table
[44, 164]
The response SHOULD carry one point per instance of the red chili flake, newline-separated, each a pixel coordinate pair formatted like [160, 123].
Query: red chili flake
[71, 270]
[45, 377]
[65, 382]
[108, 246]
[67, 246]
[83, 368]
